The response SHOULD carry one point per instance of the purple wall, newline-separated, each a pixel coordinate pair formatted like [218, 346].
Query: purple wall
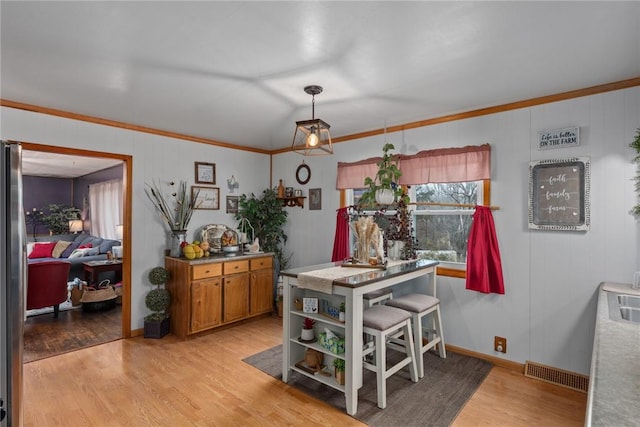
[39, 192]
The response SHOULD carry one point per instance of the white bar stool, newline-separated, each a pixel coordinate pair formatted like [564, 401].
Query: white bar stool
[420, 305]
[376, 297]
[382, 322]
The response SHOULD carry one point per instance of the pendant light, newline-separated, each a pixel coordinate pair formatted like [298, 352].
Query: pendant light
[312, 137]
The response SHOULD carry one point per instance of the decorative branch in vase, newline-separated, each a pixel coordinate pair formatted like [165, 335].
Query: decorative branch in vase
[176, 218]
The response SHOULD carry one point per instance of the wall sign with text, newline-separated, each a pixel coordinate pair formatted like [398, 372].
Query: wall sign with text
[559, 138]
[559, 194]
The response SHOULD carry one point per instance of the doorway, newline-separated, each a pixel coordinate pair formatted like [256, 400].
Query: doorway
[74, 329]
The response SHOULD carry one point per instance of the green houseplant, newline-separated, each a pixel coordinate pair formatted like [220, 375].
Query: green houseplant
[268, 217]
[156, 324]
[385, 183]
[339, 366]
[635, 144]
[57, 217]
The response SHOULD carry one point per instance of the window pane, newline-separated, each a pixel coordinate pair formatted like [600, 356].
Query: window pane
[443, 237]
[442, 231]
[455, 193]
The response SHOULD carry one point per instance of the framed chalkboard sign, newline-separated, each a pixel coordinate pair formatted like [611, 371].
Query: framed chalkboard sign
[559, 194]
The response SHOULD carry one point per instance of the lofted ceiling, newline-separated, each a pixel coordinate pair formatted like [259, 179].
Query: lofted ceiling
[234, 72]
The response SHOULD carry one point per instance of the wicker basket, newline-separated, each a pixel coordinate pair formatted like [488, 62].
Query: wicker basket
[101, 298]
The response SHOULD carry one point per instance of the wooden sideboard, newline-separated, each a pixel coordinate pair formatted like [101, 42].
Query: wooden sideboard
[211, 292]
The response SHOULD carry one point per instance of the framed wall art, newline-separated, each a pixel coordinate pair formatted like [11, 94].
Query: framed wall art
[315, 199]
[205, 197]
[232, 204]
[205, 173]
[559, 194]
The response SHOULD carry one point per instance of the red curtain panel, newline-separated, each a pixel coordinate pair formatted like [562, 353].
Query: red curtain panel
[341, 240]
[484, 268]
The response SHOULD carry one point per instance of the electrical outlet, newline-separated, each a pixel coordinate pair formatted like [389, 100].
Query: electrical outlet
[500, 344]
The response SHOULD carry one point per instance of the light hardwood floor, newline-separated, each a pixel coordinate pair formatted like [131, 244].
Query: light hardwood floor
[203, 382]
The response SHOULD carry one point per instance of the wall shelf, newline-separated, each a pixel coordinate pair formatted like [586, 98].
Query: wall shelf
[292, 201]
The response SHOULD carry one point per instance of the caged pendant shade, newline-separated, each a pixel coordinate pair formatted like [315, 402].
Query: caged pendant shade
[312, 137]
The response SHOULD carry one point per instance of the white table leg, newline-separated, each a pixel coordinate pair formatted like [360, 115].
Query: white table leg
[286, 327]
[353, 350]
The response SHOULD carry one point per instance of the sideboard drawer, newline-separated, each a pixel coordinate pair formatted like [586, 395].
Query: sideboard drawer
[236, 267]
[261, 263]
[203, 271]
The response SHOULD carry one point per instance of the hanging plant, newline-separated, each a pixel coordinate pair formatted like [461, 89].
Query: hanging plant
[635, 144]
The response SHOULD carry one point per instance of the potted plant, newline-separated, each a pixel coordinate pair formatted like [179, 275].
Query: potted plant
[307, 329]
[383, 188]
[176, 218]
[267, 216]
[156, 324]
[58, 217]
[635, 144]
[339, 365]
[398, 233]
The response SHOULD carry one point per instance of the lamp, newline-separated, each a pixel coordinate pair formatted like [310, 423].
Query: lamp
[75, 226]
[119, 231]
[312, 137]
[117, 250]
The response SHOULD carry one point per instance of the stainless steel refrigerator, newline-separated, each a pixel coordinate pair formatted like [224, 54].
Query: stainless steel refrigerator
[12, 285]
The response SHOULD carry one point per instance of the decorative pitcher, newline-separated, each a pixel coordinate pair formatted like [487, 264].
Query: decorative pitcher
[177, 238]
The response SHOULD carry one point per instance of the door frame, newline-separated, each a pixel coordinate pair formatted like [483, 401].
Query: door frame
[127, 215]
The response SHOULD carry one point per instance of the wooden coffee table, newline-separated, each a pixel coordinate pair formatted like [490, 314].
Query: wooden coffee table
[92, 270]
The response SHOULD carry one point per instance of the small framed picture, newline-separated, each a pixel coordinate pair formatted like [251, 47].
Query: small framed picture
[232, 204]
[288, 192]
[315, 199]
[309, 305]
[205, 197]
[205, 173]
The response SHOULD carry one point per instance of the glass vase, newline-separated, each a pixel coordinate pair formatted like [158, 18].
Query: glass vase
[177, 238]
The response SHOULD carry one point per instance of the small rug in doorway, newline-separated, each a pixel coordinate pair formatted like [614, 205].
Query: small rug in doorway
[435, 400]
[46, 310]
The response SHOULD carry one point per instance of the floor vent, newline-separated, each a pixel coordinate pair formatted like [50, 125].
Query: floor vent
[557, 376]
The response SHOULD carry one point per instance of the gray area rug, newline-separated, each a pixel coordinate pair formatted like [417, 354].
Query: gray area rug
[435, 400]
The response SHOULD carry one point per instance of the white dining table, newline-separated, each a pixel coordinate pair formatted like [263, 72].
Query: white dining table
[352, 286]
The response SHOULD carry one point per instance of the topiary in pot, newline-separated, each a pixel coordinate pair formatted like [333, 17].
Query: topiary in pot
[156, 324]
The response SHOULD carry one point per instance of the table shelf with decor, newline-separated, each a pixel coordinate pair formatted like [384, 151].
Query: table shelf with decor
[348, 285]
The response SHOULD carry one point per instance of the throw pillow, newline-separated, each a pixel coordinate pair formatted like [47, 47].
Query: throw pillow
[77, 253]
[59, 248]
[42, 250]
[73, 246]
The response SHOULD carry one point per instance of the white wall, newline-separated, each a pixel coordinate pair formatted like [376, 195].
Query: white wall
[548, 311]
[154, 158]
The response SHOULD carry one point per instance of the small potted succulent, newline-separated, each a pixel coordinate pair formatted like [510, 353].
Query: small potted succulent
[338, 364]
[156, 324]
[307, 329]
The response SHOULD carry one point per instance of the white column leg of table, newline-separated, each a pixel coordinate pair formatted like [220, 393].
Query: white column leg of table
[286, 328]
[353, 350]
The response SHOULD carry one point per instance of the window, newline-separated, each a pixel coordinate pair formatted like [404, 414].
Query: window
[441, 215]
[442, 219]
[441, 212]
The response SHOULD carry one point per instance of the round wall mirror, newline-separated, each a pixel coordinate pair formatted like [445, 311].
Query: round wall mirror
[303, 174]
